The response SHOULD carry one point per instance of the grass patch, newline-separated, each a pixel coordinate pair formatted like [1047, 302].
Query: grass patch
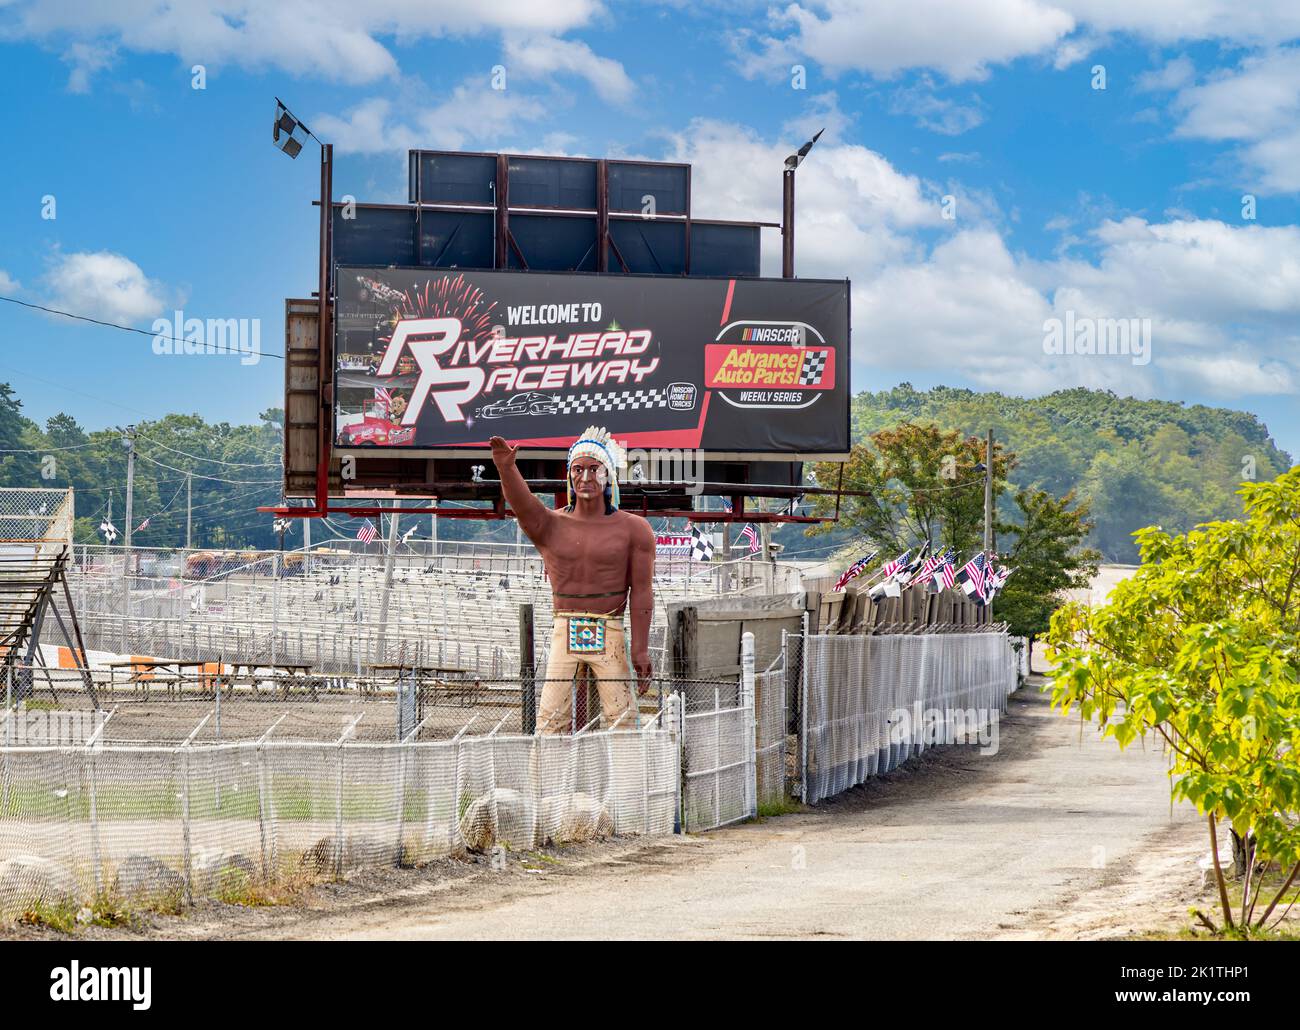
[68, 917]
[782, 806]
[236, 887]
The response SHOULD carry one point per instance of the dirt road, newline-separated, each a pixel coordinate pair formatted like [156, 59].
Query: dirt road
[1058, 835]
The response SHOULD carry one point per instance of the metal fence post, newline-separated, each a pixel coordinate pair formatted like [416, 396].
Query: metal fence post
[94, 819]
[805, 661]
[185, 823]
[261, 807]
[528, 698]
[338, 814]
[676, 726]
[750, 738]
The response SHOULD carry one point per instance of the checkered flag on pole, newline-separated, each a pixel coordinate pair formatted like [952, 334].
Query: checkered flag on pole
[701, 545]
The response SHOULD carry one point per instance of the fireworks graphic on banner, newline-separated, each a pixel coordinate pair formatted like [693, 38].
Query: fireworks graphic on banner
[449, 297]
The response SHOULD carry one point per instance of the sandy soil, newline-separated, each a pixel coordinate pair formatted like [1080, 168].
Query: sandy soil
[1058, 835]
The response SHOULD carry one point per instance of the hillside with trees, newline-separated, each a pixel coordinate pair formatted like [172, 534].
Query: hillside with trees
[1134, 463]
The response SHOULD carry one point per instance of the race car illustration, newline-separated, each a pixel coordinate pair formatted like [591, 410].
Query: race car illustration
[533, 403]
[377, 431]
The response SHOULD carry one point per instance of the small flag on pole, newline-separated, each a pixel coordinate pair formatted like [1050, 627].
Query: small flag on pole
[367, 532]
[749, 534]
[972, 575]
[701, 545]
[143, 525]
[852, 572]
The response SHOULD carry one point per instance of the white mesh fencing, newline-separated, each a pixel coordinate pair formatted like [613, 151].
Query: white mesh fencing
[871, 702]
[180, 822]
[718, 755]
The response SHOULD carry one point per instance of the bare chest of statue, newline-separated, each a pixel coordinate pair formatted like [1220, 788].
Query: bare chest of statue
[587, 562]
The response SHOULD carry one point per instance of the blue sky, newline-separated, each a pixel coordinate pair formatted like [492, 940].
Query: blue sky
[1116, 203]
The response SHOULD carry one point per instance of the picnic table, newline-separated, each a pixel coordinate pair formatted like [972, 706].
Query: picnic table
[291, 670]
[143, 672]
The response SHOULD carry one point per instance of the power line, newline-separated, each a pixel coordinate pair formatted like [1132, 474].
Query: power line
[198, 457]
[214, 479]
[113, 325]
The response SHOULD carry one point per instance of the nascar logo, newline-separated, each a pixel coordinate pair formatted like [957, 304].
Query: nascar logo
[791, 334]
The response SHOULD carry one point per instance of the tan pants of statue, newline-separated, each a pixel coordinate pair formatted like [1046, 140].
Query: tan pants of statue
[610, 669]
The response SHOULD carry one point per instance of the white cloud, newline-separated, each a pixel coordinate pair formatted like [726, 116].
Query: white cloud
[822, 111]
[959, 38]
[1172, 75]
[1256, 104]
[855, 209]
[104, 285]
[473, 113]
[943, 115]
[544, 56]
[336, 39]
[962, 39]
[8, 284]
[87, 59]
[1222, 300]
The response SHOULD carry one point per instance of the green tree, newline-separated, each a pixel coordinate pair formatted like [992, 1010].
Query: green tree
[1201, 647]
[923, 485]
[1048, 558]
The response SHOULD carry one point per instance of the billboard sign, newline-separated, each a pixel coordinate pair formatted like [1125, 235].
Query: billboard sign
[438, 361]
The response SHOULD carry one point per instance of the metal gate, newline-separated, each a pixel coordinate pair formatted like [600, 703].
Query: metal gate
[718, 755]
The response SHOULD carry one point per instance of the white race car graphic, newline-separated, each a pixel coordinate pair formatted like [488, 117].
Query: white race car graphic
[533, 403]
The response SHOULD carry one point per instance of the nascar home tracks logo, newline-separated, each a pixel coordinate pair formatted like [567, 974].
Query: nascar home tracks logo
[782, 365]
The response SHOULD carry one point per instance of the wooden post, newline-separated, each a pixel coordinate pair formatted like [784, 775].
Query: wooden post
[813, 605]
[527, 685]
[685, 643]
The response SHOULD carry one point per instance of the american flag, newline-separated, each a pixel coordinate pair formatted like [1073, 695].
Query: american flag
[890, 567]
[727, 505]
[384, 398]
[367, 532]
[852, 571]
[143, 525]
[749, 534]
[972, 575]
[945, 576]
[932, 563]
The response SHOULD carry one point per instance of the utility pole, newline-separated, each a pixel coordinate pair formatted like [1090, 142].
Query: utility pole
[988, 493]
[189, 510]
[128, 441]
[388, 585]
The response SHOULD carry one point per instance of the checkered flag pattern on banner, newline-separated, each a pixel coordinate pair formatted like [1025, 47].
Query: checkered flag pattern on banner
[814, 367]
[619, 400]
[701, 545]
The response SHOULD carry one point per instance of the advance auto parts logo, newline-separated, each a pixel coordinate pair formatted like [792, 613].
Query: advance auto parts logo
[769, 365]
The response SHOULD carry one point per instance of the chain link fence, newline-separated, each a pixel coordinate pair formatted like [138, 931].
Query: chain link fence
[871, 702]
[169, 824]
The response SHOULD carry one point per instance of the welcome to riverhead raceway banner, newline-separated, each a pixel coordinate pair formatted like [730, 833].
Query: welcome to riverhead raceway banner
[428, 359]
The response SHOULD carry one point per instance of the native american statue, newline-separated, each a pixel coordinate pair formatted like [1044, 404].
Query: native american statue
[600, 562]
